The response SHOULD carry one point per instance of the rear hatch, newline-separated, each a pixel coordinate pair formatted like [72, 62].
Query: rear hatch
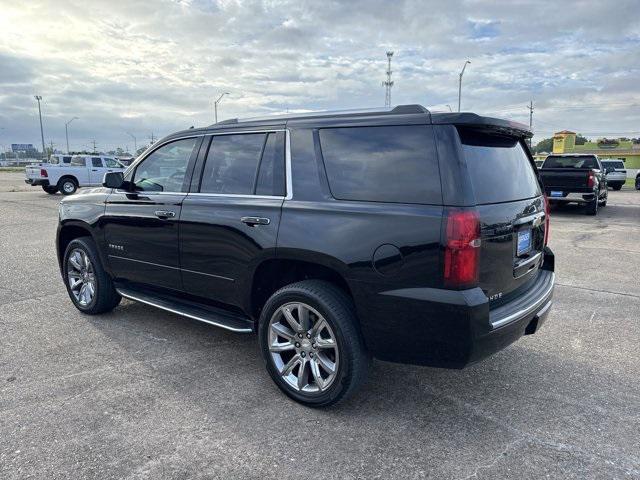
[511, 211]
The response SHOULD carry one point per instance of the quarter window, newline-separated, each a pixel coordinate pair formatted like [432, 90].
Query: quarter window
[165, 168]
[382, 164]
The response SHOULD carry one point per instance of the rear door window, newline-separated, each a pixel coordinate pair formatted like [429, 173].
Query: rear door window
[270, 180]
[382, 164]
[78, 162]
[96, 162]
[232, 163]
[499, 168]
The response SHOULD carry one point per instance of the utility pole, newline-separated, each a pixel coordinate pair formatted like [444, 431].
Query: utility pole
[93, 142]
[152, 138]
[215, 106]
[135, 144]
[388, 83]
[530, 107]
[66, 131]
[460, 83]
[38, 98]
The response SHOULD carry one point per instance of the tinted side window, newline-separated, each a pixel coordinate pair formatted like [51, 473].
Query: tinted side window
[382, 164]
[270, 179]
[78, 162]
[96, 161]
[231, 163]
[164, 169]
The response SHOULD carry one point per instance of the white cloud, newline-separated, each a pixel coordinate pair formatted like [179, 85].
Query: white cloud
[145, 66]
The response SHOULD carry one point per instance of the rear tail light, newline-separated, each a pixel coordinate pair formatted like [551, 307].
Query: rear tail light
[591, 180]
[547, 218]
[43, 173]
[462, 249]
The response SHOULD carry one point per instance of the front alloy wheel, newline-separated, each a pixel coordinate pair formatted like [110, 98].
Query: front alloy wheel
[81, 277]
[303, 348]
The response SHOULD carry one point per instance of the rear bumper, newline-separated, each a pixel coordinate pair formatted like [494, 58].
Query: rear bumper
[574, 197]
[37, 182]
[452, 329]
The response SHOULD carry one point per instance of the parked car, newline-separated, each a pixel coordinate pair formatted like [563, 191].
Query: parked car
[616, 173]
[81, 171]
[578, 178]
[399, 234]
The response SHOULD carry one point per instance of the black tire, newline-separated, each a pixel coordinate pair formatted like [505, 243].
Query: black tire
[67, 185]
[638, 183]
[617, 186]
[105, 297]
[339, 312]
[592, 207]
[50, 189]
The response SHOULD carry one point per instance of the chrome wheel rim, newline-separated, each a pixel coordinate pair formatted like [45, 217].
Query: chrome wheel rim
[303, 348]
[68, 187]
[81, 277]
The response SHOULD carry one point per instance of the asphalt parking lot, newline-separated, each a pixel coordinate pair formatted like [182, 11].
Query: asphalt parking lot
[140, 393]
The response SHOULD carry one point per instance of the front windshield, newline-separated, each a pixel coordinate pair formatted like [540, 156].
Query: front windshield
[113, 163]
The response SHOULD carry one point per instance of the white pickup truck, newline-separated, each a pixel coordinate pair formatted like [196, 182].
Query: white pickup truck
[81, 171]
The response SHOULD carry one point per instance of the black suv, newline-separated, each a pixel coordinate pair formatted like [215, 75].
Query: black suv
[400, 234]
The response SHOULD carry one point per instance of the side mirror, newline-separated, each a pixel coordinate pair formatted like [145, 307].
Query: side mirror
[113, 180]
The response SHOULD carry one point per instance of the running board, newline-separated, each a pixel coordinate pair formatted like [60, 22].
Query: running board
[211, 315]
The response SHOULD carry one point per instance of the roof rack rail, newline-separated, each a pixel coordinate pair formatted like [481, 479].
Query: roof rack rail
[397, 110]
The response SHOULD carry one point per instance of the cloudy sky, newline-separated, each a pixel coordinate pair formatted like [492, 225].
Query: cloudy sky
[155, 66]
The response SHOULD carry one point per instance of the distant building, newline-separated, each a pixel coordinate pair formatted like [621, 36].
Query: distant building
[565, 142]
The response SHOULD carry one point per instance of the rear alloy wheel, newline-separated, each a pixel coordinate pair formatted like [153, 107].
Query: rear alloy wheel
[67, 186]
[50, 189]
[311, 344]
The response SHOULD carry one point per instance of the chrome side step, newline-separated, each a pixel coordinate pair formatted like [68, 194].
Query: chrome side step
[211, 315]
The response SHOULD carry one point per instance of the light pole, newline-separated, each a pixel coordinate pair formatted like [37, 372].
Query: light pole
[460, 83]
[449, 106]
[215, 106]
[135, 144]
[38, 98]
[66, 130]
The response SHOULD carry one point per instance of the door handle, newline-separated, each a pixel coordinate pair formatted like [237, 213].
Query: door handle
[164, 214]
[251, 221]
[94, 169]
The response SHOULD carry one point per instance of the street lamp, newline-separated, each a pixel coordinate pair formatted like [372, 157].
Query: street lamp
[135, 144]
[215, 106]
[66, 130]
[460, 83]
[38, 98]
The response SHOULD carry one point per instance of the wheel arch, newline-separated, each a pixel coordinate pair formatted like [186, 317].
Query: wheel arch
[69, 231]
[274, 273]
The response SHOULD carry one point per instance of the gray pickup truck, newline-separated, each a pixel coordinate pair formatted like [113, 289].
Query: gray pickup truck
[575, 178]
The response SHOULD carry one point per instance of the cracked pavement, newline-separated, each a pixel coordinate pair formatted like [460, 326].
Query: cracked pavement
[139, 393]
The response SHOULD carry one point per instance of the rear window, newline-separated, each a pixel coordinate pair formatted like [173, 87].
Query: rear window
[382, 164]
[569, 161]
[614, 164]
[499, 168]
